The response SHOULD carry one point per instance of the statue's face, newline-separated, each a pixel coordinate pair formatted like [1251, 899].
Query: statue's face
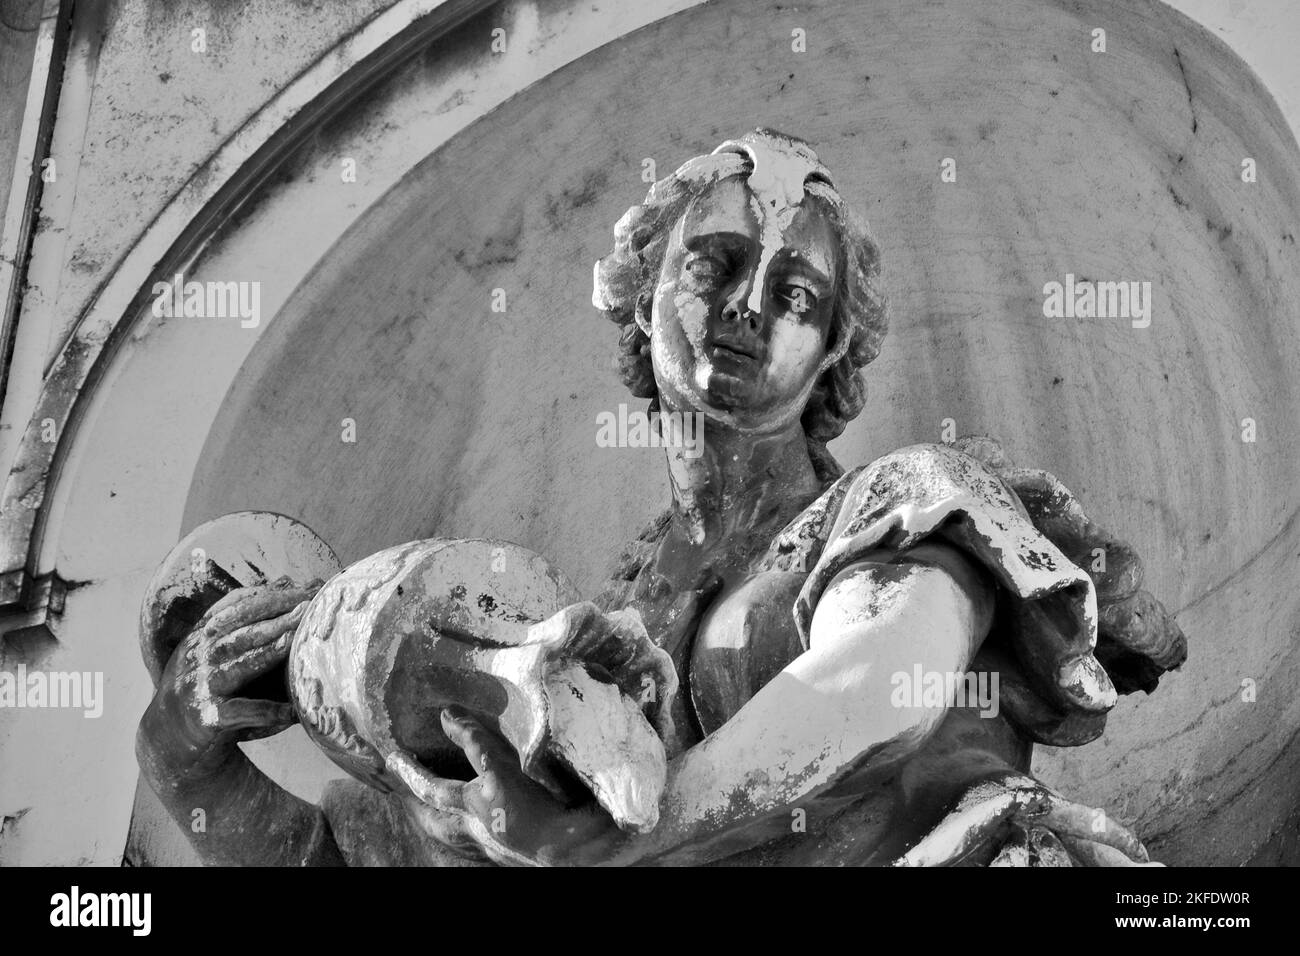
[739, 325]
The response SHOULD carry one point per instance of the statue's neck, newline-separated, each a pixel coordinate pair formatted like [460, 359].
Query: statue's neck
[737, 481]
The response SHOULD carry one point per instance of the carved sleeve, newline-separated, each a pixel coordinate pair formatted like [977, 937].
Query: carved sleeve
[1045, 628]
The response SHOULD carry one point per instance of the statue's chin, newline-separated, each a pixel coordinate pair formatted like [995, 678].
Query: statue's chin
[725, 406]
[725, 398]
[725, 390]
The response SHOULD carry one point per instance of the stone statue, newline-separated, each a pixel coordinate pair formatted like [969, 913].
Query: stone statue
[795, 664]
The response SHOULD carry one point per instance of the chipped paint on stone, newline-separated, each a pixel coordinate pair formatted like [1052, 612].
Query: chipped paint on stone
[780, 166]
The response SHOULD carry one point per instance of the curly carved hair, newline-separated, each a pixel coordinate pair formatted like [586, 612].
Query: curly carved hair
[625, 280]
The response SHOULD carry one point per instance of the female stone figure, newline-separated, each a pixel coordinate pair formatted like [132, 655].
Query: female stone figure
[798, 602]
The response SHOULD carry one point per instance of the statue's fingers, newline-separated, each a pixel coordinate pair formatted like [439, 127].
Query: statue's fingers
[229, 676]
[1091, 853]
[487, 753]
[1066, 818]
[437, 793]
[257, 634]
[231, 598]
[244, 713]
[979, 816]
[1141, 625]
[255, 604]
[227, 600]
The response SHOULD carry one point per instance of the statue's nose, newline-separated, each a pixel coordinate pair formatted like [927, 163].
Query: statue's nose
[741, 307]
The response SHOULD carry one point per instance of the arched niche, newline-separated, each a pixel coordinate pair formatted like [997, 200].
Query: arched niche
[1121, 166]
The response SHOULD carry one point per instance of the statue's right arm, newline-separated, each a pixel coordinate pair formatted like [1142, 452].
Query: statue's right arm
[188, 739]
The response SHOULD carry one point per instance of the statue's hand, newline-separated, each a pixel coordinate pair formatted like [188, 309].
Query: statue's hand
[198, 714]
[504, 816]
[1013, 820]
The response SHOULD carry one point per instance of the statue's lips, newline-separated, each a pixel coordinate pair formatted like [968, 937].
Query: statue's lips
[734, 352]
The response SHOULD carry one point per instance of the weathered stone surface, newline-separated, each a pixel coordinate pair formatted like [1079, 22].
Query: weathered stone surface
[237, 550]
[487, 627]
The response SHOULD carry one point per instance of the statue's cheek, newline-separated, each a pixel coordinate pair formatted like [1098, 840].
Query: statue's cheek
[797, 351]
[693, 316]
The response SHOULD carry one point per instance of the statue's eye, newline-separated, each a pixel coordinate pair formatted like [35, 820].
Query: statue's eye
[799, 298]
[706, 268]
